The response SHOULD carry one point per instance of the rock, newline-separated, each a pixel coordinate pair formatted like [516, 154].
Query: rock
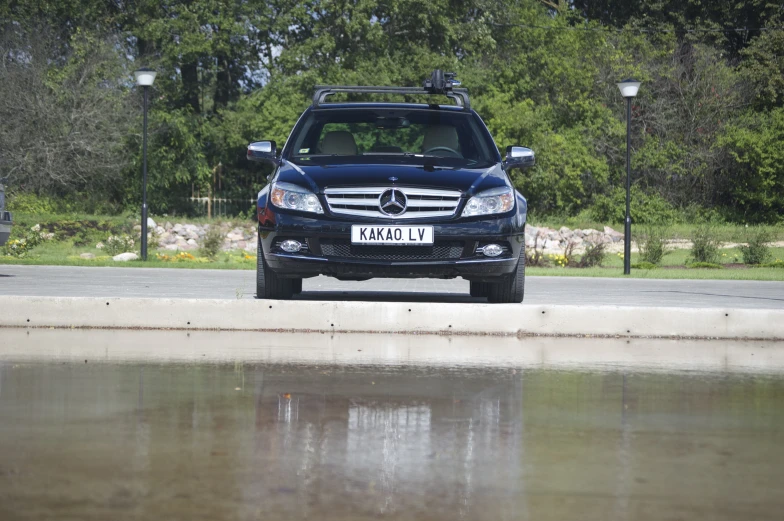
[232, 236]
[578, 233]
[241, 245]
[171, 247]
[137, 227]
[589, 231]
[87, 256]
[565, 232]
[612, 233]
[124, 257]
[151, 223]
[160, 230]
[177, 228]
[168, 226]
[190, 235]
[100, 246]
[552, 245]
[191, 242]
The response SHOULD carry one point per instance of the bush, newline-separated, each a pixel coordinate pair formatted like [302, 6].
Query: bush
[644, 266]
[706, 245]
[21, 247]
[756, 250]
[535, 257]
[32, 204]
[652, 244]
[593, 256]
[708, 265]
[645, 208]
[117, 244]
[212, 241]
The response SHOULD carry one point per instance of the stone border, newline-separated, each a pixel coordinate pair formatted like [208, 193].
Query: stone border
[391, 318]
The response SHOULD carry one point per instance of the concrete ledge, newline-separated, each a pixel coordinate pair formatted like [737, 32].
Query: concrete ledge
[628, 354]
[390, 317]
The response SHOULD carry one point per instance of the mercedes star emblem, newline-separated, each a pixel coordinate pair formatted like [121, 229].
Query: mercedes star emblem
[392, 202]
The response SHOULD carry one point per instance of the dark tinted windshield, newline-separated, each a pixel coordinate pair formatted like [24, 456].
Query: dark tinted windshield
[350, 134]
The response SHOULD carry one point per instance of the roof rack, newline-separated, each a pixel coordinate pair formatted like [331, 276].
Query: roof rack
[439, 83]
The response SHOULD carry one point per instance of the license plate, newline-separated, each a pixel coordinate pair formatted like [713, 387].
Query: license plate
[415, 235]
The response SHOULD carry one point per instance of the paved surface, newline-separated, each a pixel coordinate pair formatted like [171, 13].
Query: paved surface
[186, 283]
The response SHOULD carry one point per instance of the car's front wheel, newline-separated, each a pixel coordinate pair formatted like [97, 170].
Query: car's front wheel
[511, 289]
[478, 289]
[268, 284]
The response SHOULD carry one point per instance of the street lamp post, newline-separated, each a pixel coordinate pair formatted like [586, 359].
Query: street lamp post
[628, 90]
[144, 78]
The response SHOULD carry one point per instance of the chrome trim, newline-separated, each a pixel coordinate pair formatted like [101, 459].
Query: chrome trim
[364, 202]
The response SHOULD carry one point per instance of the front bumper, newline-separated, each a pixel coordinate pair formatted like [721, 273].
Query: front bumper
[330, 253]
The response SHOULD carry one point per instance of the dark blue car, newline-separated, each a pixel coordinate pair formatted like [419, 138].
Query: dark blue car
[364, 190]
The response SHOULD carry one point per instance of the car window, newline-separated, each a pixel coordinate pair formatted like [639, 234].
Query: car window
[383, 132]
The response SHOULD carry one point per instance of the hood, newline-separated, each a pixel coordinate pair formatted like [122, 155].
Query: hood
[319, 177]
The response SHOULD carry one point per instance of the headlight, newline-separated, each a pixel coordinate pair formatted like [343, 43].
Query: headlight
[293, 197]
[495, 200]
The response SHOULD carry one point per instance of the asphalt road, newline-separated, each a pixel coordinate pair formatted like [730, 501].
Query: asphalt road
[186, 283]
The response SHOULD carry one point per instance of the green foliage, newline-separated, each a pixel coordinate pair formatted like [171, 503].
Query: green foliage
[705, 245]
[644, 208]
[30, 203]
[212, 241]
[756, 165]
[756, 250]
[117, 244]
[593, 256]
[652, 244]
[21, 247]
[644, 265]
[234, 72]
[706, 265]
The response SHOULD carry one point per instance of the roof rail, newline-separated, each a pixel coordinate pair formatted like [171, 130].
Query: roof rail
[443, 86]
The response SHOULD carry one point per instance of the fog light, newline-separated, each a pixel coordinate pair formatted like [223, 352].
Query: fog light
[290, 246]
[491, 250]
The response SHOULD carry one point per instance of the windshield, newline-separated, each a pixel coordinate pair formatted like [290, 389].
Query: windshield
[363, 134]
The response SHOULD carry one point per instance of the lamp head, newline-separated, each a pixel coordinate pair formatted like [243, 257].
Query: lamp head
[629, 88]
[144, 77]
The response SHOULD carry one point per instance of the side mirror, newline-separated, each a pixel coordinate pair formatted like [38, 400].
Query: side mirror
[263, 151]
[519, 157]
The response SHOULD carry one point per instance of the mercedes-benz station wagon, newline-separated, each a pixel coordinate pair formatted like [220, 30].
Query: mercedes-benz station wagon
[402, 190]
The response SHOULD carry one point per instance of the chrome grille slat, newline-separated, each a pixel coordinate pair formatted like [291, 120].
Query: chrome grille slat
[421, 202]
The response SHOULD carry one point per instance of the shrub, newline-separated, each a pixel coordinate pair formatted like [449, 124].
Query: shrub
[117, 244]
[212, 241]
[645, 208]
[21, 247]
[535, 256]
[708, 265]
[756, 250]
[706, 245]
[644, 266]
[593, 256]
[652, 244]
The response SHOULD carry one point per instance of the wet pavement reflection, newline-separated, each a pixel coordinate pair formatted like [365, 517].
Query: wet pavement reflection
[293, 441]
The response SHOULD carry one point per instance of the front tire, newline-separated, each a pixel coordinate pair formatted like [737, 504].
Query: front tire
[268, 284]
[511, 289]
[478, 289]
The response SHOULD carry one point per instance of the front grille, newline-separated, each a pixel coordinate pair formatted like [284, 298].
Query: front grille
[441, 250]
[364, 202]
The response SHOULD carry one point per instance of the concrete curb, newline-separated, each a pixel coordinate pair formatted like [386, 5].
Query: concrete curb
[390, 317]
